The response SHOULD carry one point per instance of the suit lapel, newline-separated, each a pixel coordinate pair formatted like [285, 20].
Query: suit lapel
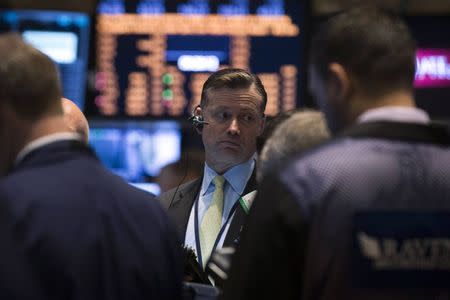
[180, 209]
[239, 217]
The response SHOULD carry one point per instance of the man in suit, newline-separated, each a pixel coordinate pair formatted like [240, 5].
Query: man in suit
[366, 215]
[209, 211]
[80, 231]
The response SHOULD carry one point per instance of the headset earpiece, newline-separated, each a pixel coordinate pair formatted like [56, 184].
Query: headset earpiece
[196, 120]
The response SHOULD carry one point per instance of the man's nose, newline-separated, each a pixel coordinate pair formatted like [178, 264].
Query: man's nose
[233, 128]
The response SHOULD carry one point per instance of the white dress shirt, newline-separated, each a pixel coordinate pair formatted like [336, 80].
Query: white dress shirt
[395, 114]
[45, 140]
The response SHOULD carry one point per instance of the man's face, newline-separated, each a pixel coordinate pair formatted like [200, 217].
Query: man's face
[235, 120]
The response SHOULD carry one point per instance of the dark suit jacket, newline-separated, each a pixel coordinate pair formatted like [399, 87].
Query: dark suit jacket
[84, 232]
[179, 202]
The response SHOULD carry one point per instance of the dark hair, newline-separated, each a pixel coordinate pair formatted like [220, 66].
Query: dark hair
[375, 47]
[29, 80]
[233, 78]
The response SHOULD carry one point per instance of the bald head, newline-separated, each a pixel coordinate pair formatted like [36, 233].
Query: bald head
[75, 119]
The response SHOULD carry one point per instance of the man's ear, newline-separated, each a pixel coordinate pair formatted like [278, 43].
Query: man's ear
[198, 111]
[339, 82]
[262, 125]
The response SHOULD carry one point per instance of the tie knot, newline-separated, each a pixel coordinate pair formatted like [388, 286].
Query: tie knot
[219, 181]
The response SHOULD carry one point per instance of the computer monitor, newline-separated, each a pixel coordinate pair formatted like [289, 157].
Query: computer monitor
[136, 150]
[432, 80]
[153, 56]
[63, 36]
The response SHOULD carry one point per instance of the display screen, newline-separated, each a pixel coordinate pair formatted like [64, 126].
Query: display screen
[432, 68]
[62, 47]
[63, 36]
[136, 150]
[154, 56]
[432, 80]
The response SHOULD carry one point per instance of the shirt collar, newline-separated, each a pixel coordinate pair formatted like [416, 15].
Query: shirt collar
[236, 176]
[396, 114]
[45, 140]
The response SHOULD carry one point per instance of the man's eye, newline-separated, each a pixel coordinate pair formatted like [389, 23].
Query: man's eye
[248, 118]
[223, 115]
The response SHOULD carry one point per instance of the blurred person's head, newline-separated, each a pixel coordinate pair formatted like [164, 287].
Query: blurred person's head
[30, 94]
[188, 168]
[75, 119]
[232, 103]
[297, 134]
[360, 59]
[270, 126]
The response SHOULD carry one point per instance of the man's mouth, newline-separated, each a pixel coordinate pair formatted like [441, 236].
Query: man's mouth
[230, 144]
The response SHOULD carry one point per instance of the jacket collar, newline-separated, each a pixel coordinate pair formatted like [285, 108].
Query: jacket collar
[401, 131]
[45, 140]
[53, 152]
[236, 177]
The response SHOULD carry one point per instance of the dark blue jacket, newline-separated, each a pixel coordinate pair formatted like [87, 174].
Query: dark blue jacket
[366, 216]
[85, 233]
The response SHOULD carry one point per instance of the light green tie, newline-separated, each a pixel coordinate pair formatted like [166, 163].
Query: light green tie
[212, 220]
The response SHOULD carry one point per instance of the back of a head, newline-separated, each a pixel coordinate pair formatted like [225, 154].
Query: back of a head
[375, 47]
[233, 78]
[301, 132]
[29, 80]
[75, 119]
[270, 126]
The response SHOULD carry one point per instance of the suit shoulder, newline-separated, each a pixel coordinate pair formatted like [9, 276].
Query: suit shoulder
[167, 197]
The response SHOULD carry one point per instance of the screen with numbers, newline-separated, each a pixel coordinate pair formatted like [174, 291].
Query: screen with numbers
[153, 56]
